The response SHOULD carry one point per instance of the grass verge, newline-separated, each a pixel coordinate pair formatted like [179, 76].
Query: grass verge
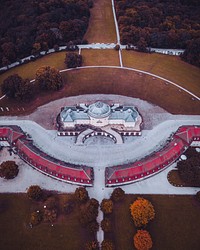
[65, 233]
[175, 180]
[176, 225]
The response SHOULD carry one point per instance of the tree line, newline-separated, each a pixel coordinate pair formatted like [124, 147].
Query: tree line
[161, 24]
[28, 27]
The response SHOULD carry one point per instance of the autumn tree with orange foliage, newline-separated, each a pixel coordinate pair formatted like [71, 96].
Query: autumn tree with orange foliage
[142, 240]
[142, 212]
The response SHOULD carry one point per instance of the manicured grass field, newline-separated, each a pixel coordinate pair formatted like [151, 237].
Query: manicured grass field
[175, 227]
[129, 83]
[28, 70]
[169, 67]
[101, 26]
[15, 233]
[100, 57]
[114, 81]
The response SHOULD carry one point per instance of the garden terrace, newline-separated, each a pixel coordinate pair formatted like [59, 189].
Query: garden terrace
[119, 175]
[75, 174]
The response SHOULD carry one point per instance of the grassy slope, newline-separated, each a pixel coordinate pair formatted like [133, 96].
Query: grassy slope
[101, 27]
[176, 225]
[15, 233]
[169, 67]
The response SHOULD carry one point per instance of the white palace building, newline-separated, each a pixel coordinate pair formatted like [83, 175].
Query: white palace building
[99, 118]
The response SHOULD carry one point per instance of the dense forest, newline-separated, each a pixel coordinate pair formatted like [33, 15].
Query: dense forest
[160, 23]
[30, 26]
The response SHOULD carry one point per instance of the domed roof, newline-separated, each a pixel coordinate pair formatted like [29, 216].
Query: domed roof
[99, 110]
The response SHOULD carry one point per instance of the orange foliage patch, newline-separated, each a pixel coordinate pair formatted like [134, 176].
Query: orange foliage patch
[142, 240]
[142, 212]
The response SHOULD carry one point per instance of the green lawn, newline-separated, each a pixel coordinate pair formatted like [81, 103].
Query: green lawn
[100, 57]
[28, 70]
[113, 81]
[169, 67]
[101, 26]
[17, 235]
[175, 227]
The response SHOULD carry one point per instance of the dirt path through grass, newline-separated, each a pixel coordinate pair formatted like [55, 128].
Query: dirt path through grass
[101, 26]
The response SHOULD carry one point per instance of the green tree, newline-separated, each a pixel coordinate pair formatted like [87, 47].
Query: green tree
[25, 91]
[192, 52]
[17, 88]
[73, 60]
[35, 193]
[89, 212]
[9, 170]
[48, 78]
[11, 84]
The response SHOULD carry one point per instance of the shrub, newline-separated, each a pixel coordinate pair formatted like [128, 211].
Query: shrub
[106, 225]
[93, 227]
[107, 245]
[142, 212]
[117, 194]
[51, 203]
[142, 240]
[92, 245]
[117, 47]
[56, 47]
[107, 206]
[81, 194]
[9, 170]
[50, 215]
[36, 218]
[73, 60]
[89, 212]
[35, 193]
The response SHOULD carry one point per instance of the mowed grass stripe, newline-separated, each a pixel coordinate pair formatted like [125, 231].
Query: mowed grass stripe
[100, 57]
[101, 26]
